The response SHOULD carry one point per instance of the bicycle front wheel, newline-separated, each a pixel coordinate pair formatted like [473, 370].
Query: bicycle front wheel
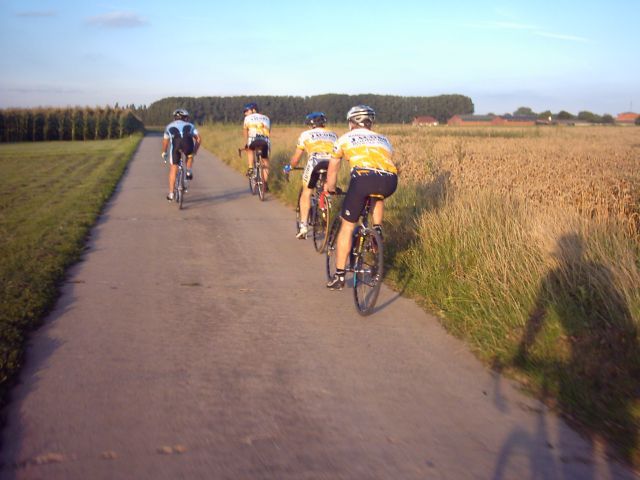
[298, 216]
[368, 271]
[331, 248]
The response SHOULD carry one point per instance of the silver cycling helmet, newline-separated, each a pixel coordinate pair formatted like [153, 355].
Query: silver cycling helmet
[180, 114]
[361, 115]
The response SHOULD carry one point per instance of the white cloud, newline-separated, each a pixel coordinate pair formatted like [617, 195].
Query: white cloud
[37, 14]
[561, 36]
[121, 19]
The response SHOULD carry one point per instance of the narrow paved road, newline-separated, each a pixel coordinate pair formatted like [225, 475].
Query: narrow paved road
[202, 344]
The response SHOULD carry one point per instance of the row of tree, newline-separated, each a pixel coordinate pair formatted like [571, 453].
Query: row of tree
[584, 116]
[34, 125]
[290, 109]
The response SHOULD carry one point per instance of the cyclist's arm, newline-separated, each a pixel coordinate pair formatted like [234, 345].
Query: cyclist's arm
[332, 174]
[295, 158]
[245, 133]
[165, 145]
[196, 145]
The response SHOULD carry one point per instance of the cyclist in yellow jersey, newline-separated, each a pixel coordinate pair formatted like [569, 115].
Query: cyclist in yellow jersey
[372, 172]
[318, 143]
[256, 130]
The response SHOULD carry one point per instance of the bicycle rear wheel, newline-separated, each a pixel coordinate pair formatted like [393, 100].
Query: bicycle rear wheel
[368, 271]
[252, 184]
[321, 225]
[180, 188]
[331, 248]
[259, 182]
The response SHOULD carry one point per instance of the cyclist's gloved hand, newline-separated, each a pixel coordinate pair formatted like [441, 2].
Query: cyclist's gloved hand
[286, 168]
[164, 156]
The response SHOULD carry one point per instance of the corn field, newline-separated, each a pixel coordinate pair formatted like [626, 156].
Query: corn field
[37, 125]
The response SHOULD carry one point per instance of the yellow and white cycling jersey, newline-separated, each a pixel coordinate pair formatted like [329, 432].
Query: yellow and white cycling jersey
[317, 141]
[365, 149]
[257, 124]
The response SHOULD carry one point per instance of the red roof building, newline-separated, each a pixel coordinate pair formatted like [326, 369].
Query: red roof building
[425, 120]
[627, 117]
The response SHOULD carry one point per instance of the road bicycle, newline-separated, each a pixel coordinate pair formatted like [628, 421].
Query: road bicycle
[319, 215]
[180, 185]
[256, 184]
[366, 259]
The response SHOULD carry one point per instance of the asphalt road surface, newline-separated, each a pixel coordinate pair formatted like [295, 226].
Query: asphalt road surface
[202, 344]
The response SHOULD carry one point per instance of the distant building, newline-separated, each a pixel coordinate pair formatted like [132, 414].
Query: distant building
[627, 117]
[493, 120]
[425, 121]
[475, 120]
[520, 120]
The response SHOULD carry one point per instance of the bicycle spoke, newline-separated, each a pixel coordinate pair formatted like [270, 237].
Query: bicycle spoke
[368, 271]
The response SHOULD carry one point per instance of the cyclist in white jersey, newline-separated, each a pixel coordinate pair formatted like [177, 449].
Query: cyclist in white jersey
[318, 143]
[180, 136]
[256, 130]
[372, 172]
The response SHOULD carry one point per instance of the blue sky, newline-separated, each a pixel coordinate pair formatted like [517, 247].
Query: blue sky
[557, 55]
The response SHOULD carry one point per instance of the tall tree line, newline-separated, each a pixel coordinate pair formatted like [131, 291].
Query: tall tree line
[291, 109]
[34, 125]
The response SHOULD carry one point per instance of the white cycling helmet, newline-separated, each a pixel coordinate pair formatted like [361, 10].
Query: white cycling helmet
[361, 115]
[180, 114]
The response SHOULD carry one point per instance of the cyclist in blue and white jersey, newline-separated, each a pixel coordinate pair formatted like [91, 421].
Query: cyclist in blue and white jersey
[180, 136]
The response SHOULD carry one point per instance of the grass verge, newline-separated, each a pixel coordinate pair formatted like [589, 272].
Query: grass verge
[540, 293]
[51, 195]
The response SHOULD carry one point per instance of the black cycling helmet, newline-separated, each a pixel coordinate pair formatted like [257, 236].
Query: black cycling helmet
[361, 115]
[250, 106]
[180, 114]
[316, 119]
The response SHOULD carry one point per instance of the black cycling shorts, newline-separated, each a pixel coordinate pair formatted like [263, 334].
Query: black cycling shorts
[260, 143]
[180, 143]
[315, 173]
[363, 184]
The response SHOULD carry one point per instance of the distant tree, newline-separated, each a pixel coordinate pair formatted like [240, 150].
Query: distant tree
[637, 122]
[590, 117]
[564, 115]
[546, 115]
[524, 111]
[608, 119]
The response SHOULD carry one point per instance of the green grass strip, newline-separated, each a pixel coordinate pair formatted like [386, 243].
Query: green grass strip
[51, 196]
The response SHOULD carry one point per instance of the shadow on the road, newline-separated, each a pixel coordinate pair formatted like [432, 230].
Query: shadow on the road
[42, 346]
[201, 200]
[404, 279]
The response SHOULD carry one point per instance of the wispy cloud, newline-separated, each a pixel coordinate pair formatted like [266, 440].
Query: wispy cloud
[37, 14]
[49, 89]
[120, 19]
[534, 29]
[561, 36]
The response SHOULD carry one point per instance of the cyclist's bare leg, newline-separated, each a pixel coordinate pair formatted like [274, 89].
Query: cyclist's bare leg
[189, 162]
[305, 203]
[173, 171]
[343, 244]
[250, 155]
[265, 169]
[378, 211]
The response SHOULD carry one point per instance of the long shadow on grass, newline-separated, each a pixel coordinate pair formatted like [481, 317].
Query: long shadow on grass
[597, 380]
